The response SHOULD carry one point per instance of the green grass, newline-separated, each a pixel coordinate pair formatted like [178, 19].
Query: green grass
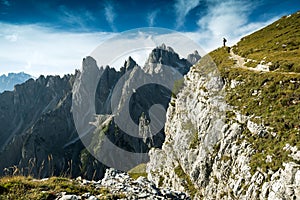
[277, 43]
[269, 145]
[195, 141]
[178, 85]
[137, 171]
[277, 101]
[189, 126]
[187, 183]
[20, 187]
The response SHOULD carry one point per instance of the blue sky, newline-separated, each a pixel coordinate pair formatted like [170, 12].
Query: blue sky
[52, 37]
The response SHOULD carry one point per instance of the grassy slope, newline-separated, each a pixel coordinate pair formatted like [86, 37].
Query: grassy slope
[277, 104]
[277, 43]
[19, 187]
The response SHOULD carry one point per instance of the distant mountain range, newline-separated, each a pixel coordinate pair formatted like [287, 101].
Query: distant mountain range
[7, 82]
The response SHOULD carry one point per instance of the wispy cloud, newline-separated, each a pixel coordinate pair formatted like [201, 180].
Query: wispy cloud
[39, 50]
[5, 2]
[110, 15]
[151, 17]
[226, 18]
[182, 9]
[80, 18]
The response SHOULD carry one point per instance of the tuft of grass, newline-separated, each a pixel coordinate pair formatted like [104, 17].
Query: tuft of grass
[221, 58]
[195, 141]
[178, 85]
[186, 181]
[161, 181]
[137, 171]
[189, 126]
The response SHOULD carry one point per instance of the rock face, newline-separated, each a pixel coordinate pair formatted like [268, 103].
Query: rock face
[204, 152]
[8, 82]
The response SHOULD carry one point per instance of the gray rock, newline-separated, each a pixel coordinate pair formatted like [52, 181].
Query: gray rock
[68, 197]
[92, 198]
[119, 182]
[193, 58]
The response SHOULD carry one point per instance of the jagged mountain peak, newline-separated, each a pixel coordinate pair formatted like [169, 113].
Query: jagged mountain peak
[130, 63]
[194, 57]
[163, 46]
[162, 54]
[165, 55]
[88, 62]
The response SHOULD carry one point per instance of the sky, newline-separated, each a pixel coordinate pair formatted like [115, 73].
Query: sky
[53, 36]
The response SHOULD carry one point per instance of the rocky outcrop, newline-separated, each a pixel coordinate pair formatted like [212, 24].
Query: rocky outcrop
[119, 185]
[8, 82]
[205, 152]
[141, 188]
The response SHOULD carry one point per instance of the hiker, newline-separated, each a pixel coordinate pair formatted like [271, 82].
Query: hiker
[224, 41]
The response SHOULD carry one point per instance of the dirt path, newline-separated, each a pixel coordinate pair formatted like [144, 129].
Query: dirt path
[240, 63]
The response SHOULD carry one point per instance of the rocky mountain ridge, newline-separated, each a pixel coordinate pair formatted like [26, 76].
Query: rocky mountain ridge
[40, 137]
[7, 82]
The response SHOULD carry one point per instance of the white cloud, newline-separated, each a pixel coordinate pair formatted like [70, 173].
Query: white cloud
[110, 15]
[13, 37]
[225, 18]
[138, 43]
[182, 8]
[38, 50]
[151, 17]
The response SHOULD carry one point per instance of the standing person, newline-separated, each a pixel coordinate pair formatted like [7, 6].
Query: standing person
[224, 42]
